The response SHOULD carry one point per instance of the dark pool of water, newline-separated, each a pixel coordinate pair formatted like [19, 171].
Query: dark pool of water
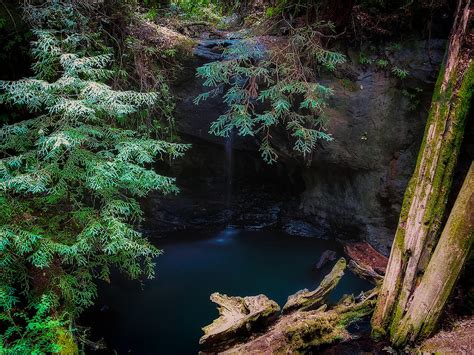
[165, 315]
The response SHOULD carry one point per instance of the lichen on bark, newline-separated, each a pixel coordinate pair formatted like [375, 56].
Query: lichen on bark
[443, 269]
[424, 206]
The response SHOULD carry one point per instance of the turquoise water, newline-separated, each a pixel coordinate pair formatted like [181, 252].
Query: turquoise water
[165, 315]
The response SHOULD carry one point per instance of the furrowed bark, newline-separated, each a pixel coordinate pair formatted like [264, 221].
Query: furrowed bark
[425, 200]
[443, 269]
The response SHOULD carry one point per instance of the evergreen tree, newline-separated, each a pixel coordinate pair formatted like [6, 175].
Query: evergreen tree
[70, 176]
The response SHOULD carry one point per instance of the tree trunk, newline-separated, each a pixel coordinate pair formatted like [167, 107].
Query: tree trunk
[425, 200]
[443, 269]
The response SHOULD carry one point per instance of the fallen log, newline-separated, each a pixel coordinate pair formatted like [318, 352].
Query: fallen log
[253, 325]
[365, 272]
[238, 317]
[307, 300]
[303, 331]
[366, 256]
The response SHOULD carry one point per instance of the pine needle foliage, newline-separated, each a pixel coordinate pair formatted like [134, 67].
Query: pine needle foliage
[266, 89]
[69, 179]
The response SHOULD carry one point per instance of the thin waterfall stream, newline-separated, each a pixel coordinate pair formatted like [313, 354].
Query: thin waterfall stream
[229, 169]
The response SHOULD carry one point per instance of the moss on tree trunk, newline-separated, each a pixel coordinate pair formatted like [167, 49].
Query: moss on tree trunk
[425, 200]
[443, 269]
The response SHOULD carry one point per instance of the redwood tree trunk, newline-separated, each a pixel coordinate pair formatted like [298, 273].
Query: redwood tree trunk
[425, 200]
[443, 269]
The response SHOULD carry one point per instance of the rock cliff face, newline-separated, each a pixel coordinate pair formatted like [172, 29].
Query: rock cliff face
[351, 189]
[358, 180]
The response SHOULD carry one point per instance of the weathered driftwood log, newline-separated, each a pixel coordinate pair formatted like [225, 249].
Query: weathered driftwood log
[308, 300]
[303, 331]
[443, 270]
[245, 324]
[366, 256]
[239, 317]
[365, 272]
[424, 204]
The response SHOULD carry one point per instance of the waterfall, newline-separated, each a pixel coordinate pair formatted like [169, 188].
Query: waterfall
[229, 169]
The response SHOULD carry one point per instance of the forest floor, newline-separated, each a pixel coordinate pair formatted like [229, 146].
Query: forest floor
[458, 340]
